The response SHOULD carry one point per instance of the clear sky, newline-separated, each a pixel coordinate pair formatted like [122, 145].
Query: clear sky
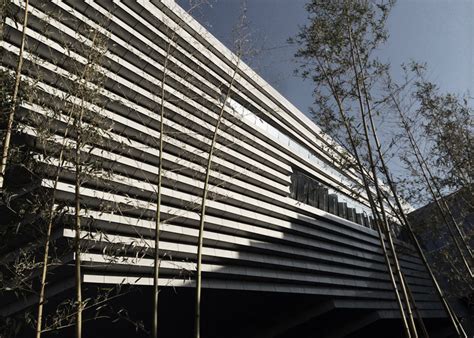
[440, 32]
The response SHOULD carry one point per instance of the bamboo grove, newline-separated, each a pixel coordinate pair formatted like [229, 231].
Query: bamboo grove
[337, 51]
[66, 136]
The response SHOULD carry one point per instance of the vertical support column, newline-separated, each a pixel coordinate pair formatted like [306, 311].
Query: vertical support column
[323, 198]
[300, 189]
[351, 214]
[366, 221]
[294, 186]
[342, 209]
[312, 197]
[332, 203]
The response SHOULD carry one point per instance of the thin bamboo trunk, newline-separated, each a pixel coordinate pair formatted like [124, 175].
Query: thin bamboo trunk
[446, 221]
[404, 286]
[456, 226]
[369, 194]
[421, 323]
[453, 220]
[457, 325]
[430, 182]
[197, 320]
[44, 271]
[410, 322]
[446, 206]
[77, 226]
[156, 265]
[11, 114]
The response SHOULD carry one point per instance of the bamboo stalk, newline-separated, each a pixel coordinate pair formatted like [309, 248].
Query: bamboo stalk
[77, 225]
[156, 265]
[430, 182]
[197, 321]
[11, 114]
[44, 271]
[409, 324]
[417, 311]
[458, 327]
[369, 193]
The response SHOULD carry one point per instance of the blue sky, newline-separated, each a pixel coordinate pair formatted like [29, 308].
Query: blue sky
[440, 32]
